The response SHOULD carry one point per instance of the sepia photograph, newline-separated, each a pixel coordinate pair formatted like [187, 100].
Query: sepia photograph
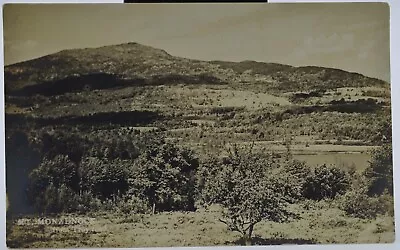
[176, 125]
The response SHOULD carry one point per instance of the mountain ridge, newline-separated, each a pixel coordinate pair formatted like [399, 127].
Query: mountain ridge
[132, 61]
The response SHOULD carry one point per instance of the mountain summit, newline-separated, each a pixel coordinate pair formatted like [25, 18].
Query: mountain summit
[134, 62]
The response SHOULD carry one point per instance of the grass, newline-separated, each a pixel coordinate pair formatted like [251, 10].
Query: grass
[319, 223]
[342, 160]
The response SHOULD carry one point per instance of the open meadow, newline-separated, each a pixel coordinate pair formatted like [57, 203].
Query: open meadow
[320, 223]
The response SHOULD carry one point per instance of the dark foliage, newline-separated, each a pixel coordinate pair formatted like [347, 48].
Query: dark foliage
[96, 166]
[185, 79]
[164, 175]
[359, 106]
[21, 158]
[380, 171]
[326, 182]
[62, 143]
[298, 97]
[104, 178]
[71, 84]
[358, 203]
[222, 110]
[51, 182]
[293, 177]
[116, 118]
[259, 241]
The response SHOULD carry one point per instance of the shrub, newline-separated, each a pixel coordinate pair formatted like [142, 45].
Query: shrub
[206, 172]
[293, 177]
[60, 170]
[133, 205]
[357, 203]
[87, 202]
[54, 200]
[326, 182]
[380, 171]
[52, 185]
[104, 178]
[67, 199]
[388, 201]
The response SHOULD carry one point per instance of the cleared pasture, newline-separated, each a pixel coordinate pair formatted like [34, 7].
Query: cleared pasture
[323, 224]
[210, 97]
[343, 160]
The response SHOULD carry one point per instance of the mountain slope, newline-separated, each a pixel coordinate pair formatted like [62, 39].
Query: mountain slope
[135, 63]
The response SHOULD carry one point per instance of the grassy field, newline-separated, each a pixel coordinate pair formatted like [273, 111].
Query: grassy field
[319, 223]
[343, 160]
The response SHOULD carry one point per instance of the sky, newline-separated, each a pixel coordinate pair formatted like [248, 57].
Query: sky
[348, 36]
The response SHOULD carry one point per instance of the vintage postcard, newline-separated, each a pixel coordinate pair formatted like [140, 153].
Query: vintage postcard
[167, 125]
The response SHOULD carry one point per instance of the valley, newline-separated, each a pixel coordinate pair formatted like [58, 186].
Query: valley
[101, 109]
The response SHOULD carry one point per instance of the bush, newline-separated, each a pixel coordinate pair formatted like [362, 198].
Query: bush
[388, 201]
[293, 177]
[357, 203]
[87, 202]
[104, 178]
[54, 200]
[53, 184]
[380, 171]
[206, 172]
[326, 182]
[133, 205]
[67, 199]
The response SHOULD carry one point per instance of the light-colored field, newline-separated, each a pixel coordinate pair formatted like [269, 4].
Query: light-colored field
[312, 148]
[248, 99]
[343, 156]
[210, 97]
[358, 160]
[320, 224]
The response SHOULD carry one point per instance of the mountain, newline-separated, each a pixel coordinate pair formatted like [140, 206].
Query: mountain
[133, 63]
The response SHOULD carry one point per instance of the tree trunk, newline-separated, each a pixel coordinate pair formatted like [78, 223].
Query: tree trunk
[248, 240]
[154, 207]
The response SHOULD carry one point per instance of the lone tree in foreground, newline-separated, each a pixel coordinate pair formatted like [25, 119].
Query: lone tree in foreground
[244, 185]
